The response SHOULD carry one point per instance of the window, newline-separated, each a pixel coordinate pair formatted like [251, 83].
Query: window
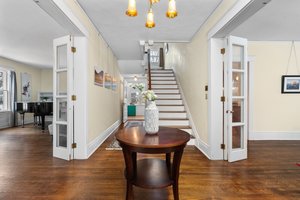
[3, 90]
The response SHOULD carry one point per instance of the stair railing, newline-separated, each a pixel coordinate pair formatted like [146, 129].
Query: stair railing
[149, 70]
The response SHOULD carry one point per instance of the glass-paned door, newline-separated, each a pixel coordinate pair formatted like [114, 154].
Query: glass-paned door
[62, 104]
[237, 99]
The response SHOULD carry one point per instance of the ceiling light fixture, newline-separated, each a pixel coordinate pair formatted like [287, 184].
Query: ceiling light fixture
[132, 11]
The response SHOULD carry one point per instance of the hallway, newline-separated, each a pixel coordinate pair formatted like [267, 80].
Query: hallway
[28, 171]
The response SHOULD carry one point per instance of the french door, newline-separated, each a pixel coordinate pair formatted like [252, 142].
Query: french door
[236, 89]
[62, 102]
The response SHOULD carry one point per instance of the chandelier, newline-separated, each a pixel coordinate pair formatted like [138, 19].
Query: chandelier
[132, 12]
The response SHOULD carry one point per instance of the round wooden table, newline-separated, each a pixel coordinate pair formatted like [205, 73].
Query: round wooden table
[152, 172]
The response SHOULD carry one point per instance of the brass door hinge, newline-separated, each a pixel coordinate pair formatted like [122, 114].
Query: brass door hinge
[223, 98]
[73, 97]
[73, 49]
[223, 51]
[222, 146]
[74, 145]
[206, 88]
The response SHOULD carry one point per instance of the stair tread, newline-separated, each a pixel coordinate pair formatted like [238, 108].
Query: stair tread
[167, 93]
[160, 69]
[172, 111]
[162, 76]
[168, 105]
[169, 99]
[162, 80]
[164, 84]
[165, 88]
[171, 119]
[180, 127]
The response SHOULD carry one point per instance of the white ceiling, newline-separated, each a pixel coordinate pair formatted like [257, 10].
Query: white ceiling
[123, 33]
[27, 32]
[279, 20]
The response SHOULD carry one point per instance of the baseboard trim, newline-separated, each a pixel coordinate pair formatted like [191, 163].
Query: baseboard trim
[203, 147]
[269, 135]
[95, 144]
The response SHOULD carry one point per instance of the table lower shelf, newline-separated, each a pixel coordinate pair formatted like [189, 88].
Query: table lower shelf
[152, 173]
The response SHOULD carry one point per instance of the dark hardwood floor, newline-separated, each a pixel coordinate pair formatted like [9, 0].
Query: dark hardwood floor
[28, 171]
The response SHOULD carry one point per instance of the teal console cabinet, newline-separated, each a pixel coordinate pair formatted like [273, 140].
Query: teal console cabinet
[131, 110]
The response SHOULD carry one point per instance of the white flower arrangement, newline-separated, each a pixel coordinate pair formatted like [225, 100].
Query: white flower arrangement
[149, 95]
[139, 86]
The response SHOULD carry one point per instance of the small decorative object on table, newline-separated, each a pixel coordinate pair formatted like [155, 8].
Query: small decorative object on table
[151, 112]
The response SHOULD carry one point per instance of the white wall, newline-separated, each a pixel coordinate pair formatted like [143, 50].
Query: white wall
[131, 66]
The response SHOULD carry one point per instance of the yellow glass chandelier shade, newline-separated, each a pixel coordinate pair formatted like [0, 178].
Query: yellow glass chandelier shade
[172, 12]
[154, 1]
[150, 19]
[131, 11]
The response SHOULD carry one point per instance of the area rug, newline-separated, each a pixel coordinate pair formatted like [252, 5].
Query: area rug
[114, 145]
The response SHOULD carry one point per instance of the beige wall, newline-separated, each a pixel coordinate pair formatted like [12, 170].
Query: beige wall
[104, 106]
[273, 111]
[41, 80]
[192, 69]
[39, 77]
[46, 80]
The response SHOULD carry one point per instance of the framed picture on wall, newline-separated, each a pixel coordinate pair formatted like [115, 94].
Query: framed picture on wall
[99, 73]
[290, 84]
[25, 87]
[108, 81]
[114, 84]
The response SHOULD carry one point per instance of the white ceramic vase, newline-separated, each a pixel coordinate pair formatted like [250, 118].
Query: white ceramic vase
[151, 118]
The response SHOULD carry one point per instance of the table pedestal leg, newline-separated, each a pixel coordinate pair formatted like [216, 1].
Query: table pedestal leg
[175, 172]
[130, 162]
[129, 191]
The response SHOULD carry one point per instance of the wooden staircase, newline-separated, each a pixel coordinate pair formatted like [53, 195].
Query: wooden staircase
[171, 108]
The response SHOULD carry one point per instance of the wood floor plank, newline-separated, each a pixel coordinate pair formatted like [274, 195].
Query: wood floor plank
[28, 171]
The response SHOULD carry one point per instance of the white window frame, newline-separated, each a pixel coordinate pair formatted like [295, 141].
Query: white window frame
[5, 94]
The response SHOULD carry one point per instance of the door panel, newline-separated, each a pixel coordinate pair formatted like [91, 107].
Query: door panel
[62, 104]
[236, 88]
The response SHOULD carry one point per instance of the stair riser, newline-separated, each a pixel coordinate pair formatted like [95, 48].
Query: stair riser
[163, 82]
[169, 96]
[165, 91]
[190, 131]
[164, 86]
[162, 74]
[168, 102]
[173, 122]
[171, 108]
[162, 78]
[161, 71]
[173, 115]
[192, 142]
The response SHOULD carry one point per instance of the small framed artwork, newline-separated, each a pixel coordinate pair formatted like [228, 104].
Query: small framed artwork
[98, 74]
[108, 80]
[290, 84]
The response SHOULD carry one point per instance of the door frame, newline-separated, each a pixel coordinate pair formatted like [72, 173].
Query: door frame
[215, 115]
[80, 90]
[232, 19]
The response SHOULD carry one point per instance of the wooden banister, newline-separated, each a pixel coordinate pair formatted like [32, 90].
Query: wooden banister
[149, 71]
